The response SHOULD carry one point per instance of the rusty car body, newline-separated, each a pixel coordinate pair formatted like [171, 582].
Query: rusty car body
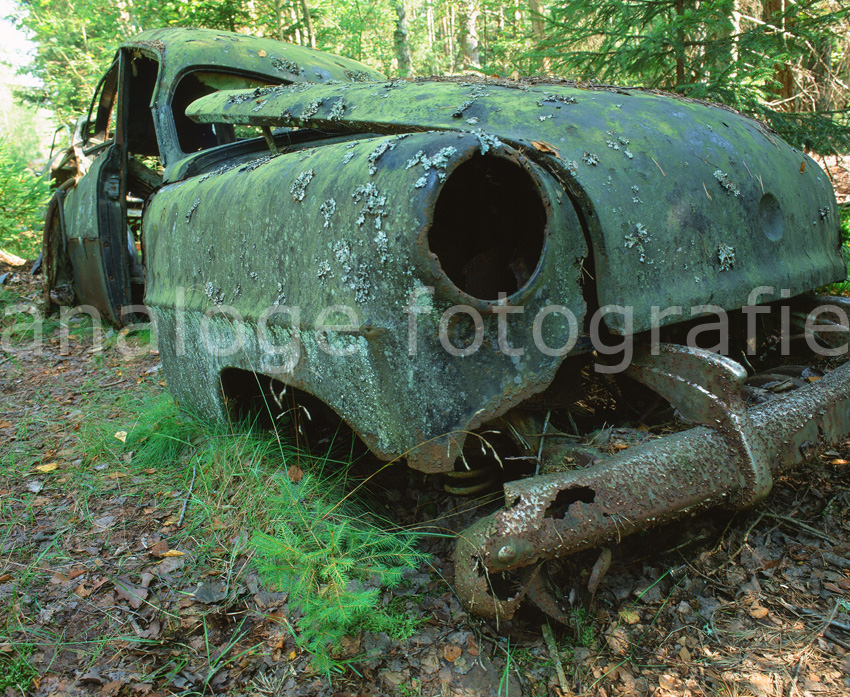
[439, 262]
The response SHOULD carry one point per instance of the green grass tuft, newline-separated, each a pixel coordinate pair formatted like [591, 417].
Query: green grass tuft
[332, 558]
[312, 536]
[16, 672]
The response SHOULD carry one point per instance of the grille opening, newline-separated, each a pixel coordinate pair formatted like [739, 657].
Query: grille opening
[488, 228]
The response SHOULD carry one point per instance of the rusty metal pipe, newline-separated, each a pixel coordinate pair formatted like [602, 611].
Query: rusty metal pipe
[558, 514]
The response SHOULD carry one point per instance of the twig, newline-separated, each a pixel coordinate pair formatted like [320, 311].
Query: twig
[555, 656]
[829, 636]
[104, 386]
[811, 613]
[746, 537]
[542, 436]
[188, 496]
[803, 526]
[795, 676]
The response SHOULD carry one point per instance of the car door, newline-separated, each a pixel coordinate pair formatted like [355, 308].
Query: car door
[94, 216]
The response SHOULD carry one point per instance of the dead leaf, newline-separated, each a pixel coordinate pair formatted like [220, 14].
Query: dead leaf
[295, 474]
[5, 577]
[150, 470]
[159, 549]
[543, 146]
[105, 522]
[82, 591]
[838, 461]
[49, 467]
[685, 655]
[118, 475]
[758, 612]
[669, 682]
[452, 652]
[599, 569]
[217, 523]
[629, 616]
[122, 436]
[6, 424]
[111, 689]
[261, 53]
[173, 553]
[133, 595]
[802, 166]
[210, 592]
[471, 646]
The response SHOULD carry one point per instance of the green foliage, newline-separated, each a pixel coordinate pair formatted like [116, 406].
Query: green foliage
[16, 673]
[394, 619]
[331, 558]
[582, 625]
[23, 196]
[842, 287]
[787, 65]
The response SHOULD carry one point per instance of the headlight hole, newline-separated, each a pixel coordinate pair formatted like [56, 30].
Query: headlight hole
[488, 229]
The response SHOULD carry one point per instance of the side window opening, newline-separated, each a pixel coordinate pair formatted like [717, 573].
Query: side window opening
[100, 124]
[200, 136]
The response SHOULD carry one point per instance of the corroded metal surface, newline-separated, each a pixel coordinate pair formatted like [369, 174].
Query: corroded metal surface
[706, 388]
[559, 514]
[182, 50]
[685, 204]
[366, 247]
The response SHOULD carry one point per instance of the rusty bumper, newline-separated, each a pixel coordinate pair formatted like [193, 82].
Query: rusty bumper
[729, 461]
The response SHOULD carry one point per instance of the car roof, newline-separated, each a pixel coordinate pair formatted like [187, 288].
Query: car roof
[179, 49]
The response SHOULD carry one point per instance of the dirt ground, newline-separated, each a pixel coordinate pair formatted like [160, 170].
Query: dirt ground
[102, 592]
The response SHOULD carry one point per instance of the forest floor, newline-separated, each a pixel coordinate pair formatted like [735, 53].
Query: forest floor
[112, 582]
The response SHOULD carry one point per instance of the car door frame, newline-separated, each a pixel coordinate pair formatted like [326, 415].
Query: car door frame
[95, 210]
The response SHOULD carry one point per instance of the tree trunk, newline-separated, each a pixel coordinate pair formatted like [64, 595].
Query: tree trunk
[469, 36]
[537, 27]
[451, 37]
[429, 21]
[680, 49]
[783, 75]
[277, 9]
[308, 23]
[11, 259]
[400, 41]
[296, 30]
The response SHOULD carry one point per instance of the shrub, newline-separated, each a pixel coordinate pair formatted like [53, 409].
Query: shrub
[23, 197]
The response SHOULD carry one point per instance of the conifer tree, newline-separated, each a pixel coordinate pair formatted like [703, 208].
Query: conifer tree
[784, 62]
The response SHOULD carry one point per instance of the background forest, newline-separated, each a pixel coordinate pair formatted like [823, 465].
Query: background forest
[785, 61]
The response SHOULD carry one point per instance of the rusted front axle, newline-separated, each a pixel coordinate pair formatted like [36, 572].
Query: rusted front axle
[730, 460]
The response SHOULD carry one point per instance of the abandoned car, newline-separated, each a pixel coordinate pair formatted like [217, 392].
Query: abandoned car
[449, 265]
